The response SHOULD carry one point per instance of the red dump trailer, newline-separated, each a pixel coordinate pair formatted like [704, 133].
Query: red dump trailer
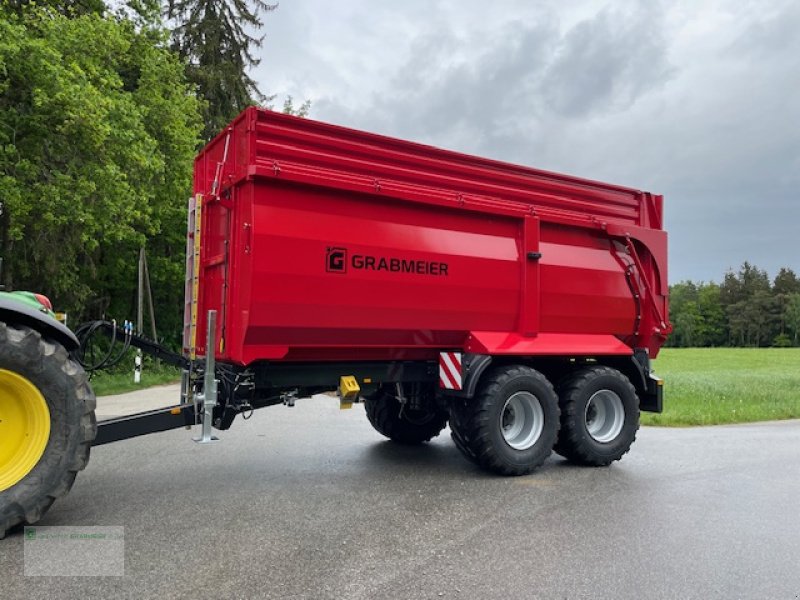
[520, 307]
[442, 286]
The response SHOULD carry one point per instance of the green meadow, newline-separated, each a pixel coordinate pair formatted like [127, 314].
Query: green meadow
[711, 386]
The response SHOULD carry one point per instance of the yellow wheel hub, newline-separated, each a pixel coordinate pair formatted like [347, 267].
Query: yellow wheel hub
[24, 427]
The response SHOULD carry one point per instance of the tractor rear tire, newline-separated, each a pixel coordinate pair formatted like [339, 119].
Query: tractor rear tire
[399, 424]
[599, 416]
[511, 424]
[47, 424]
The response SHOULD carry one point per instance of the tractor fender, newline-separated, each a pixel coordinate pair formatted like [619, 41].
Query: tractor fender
[12, 311]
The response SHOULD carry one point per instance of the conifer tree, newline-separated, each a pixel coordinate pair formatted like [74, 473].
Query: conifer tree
[216, 39]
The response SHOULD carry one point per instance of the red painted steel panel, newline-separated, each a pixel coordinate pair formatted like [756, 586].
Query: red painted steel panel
[545, 344]
[324, 243]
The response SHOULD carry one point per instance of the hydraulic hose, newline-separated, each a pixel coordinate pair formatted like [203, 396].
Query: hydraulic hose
[85, 355]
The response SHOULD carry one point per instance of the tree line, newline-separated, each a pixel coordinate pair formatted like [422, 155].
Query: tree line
[103, 107]
[746, 309]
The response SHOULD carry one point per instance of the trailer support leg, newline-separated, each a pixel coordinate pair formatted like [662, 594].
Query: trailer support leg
[208, 398]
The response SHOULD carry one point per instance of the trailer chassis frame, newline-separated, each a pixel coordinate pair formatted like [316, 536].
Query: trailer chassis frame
[212, 395]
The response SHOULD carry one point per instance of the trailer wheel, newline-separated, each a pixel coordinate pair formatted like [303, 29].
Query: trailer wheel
[511, 424]
[405, 426]
[47, 424]
[599, 416]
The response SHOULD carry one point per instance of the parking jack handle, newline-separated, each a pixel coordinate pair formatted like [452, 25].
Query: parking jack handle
[208, 398]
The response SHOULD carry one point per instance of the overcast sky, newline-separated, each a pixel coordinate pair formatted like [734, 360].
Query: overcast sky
[697, 100]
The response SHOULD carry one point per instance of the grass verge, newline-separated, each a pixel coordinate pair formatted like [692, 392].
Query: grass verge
[105, 383]
[712, 386]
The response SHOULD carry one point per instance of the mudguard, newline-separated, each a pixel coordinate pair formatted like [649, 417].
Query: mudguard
[14, 311]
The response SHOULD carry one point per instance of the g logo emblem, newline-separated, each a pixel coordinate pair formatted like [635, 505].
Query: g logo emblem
[336, 260]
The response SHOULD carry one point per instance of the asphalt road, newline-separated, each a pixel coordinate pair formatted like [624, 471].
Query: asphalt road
[310, 502]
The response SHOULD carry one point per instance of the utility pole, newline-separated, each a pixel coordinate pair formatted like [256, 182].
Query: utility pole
[149, 292]
[140, 295]
[137, 361]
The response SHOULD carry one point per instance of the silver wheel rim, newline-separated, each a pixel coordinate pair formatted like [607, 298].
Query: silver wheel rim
[605, 416]
[522, 420]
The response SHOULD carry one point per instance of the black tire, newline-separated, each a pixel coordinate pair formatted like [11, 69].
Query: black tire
[403, 426]
[576, 443]
[73, 427]
[480, 427]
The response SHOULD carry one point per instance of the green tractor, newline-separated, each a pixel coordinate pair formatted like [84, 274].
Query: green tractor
[47, 421]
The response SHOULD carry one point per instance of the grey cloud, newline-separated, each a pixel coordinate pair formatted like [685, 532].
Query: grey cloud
[516, 78]
[607, 62]
[769, 32]
[459, 93]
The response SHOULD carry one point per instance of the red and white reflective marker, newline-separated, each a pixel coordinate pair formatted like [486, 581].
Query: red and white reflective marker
[450, 370]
